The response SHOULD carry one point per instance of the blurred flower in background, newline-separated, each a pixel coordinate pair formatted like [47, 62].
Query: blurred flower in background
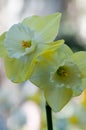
[20, 105]
[77, 118]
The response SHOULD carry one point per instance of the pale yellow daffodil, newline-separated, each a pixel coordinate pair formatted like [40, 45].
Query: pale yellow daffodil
[60, 75]
[21, 44]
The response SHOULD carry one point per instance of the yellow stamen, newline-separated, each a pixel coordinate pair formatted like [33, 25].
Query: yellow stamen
[62, 71]
[26, 44]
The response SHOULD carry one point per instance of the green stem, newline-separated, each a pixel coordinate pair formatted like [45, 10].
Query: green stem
[49, 117]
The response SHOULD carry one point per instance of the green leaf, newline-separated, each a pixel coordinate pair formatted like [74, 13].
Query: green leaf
[3, 51]
[80, 59]
[46, 26]
[57, 98]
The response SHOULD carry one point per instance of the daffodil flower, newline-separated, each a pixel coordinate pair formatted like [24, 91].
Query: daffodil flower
[61, 74]
[21, 44]
[77, 117]
[19, 41]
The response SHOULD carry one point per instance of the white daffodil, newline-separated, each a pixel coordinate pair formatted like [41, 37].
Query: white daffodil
[19, 41]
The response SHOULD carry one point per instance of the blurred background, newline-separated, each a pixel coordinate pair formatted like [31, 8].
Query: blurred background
[22, 105]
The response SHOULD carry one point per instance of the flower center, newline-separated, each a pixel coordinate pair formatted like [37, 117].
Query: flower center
[26, 44]
[62, 71]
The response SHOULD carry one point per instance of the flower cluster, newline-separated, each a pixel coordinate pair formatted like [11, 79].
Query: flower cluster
[30, 52]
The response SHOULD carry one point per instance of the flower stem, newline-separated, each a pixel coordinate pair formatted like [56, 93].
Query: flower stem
[49, 117]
